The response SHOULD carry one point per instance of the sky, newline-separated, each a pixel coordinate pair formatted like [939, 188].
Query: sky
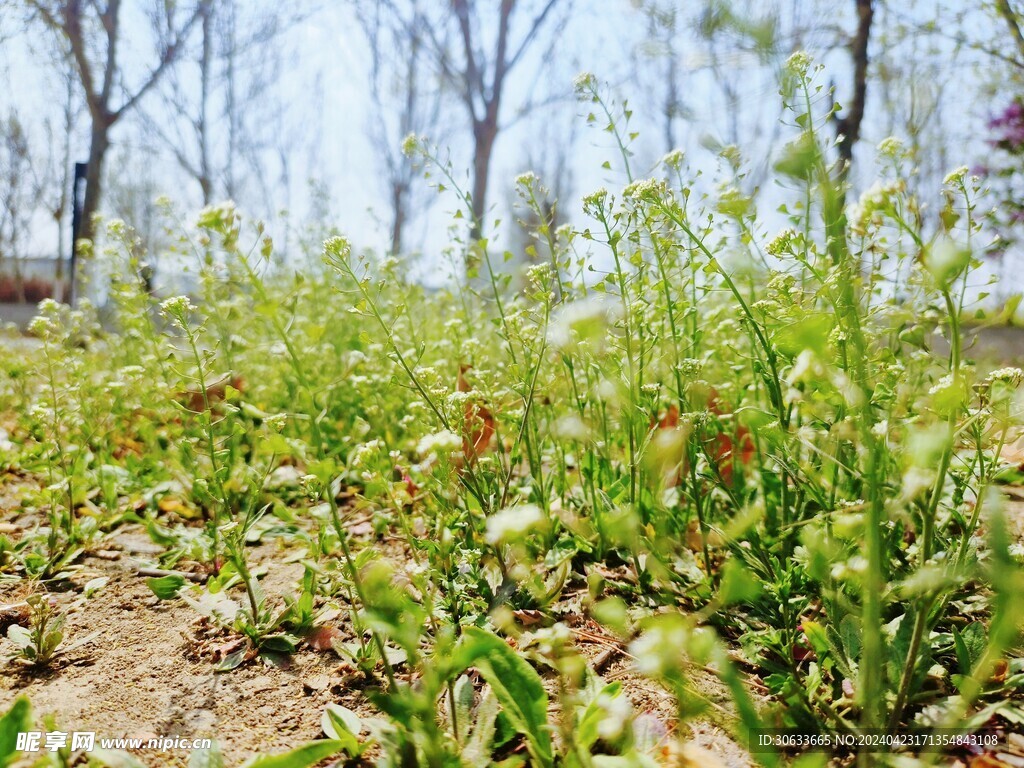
[321, 80]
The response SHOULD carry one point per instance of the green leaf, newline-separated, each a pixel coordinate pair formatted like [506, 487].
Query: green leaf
[17, 720]
[799, 157]
[738, 585]
[342, 725]
[114, 758]
[166, 587]
[206, 758]
[969, 645]
[300, 757]
[586, 730]
[810, 332]
[516, 684]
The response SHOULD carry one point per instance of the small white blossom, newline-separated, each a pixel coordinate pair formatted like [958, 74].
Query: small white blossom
[799, 63]
[956, 177]
[443, 442]
[513, 523]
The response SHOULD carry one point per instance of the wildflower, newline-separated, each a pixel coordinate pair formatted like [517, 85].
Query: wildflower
[443, 442]
[527, 179]
[1011, 376]
[176, 306]
[799, 63]
[781, 243]
[219, 217]
[539, 274]
[276, 422]
[42, 327]
[411, 144]
[585, 320]
[873, 203]
[512, 523]
[584, 85]
[956, 177]
[644, 189]
[594, 203]
[673, 159]
[891, 147]
[48, 307]
[690, 367]
[338, 247]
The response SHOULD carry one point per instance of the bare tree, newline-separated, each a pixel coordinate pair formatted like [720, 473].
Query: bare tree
[848, 126]
[661, 47]
[406, 98]
[21, 194]
[91, 30]
[477, 68]
[210, 104]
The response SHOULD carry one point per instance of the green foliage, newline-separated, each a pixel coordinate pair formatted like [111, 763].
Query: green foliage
[18, 719]
[730, 451]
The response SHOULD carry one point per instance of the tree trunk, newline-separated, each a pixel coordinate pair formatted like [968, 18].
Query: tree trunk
[849, 126]
[99, 143]
[205, 66]
[398, 204]
[484, 133]
[98, 146]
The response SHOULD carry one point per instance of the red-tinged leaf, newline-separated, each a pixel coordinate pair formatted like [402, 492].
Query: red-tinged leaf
[671, 418]
[530, 617]
[478, 423]
[322, 638]
[221, 652]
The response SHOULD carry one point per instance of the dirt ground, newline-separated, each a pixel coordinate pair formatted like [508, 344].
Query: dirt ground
[150, 672]
[150, 669]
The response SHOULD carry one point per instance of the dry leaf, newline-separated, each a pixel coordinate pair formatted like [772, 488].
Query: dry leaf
[322, 638]
[478, 427]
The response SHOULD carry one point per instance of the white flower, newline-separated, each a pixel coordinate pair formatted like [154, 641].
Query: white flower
[673, 159]
[584, 84]
[48, 307]
[176, 306]
[338, 247]
[595, 202]
[443, 442]
[527, 179]
[1011, 376]
[587, 319]
[781, 243]
[891, 147]
[644, 189]
[513, 522]
[956, 177]
[410, 145]
[42, 327]
[799, 63]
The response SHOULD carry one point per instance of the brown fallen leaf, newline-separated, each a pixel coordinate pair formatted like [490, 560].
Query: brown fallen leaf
[322, 638]
[220, 652]
[478, 428]
[987, 761]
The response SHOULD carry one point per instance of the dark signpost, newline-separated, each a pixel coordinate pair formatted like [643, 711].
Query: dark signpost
[77, 195]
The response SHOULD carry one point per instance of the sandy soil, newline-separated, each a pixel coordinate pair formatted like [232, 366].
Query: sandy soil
[149, 671]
